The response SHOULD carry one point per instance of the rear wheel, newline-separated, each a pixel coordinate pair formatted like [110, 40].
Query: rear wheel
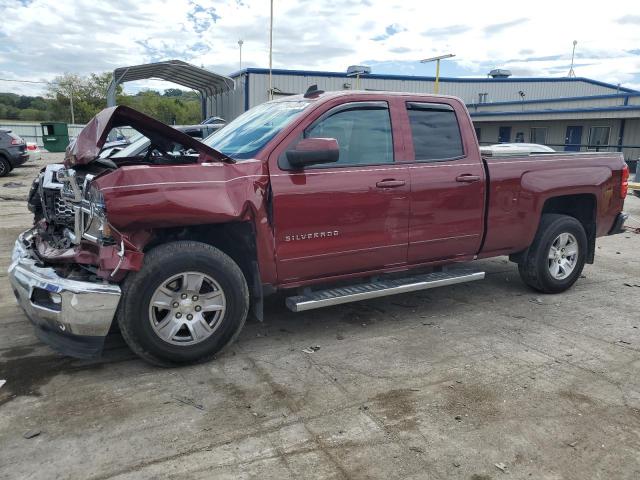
[5, 167]
[187, 302]
[557, 255]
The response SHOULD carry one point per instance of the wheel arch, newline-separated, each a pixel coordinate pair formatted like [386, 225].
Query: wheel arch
[236, 239]
[581, 206]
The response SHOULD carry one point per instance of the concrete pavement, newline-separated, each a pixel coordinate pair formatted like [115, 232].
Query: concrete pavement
[444, 383]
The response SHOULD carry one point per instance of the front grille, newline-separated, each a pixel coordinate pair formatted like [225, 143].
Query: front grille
[56, 208]
[62, 210]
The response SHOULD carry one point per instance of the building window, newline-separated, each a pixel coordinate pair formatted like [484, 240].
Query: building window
[504, 134]
[598, 137]
[478, 134]
[519, 137]
[539, 135]
[436, 135]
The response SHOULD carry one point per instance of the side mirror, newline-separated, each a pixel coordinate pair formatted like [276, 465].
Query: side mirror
[311, 151]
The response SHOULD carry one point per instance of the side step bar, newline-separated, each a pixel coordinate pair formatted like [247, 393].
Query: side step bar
[364, 291]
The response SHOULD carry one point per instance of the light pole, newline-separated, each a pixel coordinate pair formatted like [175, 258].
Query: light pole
[73, 118]
[357, 71]
[573, 54]
[522, 95]
[271, 53]
[240, 42]
[436, 87]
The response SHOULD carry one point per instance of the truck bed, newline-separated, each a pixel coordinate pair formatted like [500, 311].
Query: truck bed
[520, 185]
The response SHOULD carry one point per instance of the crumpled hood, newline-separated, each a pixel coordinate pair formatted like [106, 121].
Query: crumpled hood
[88, 144]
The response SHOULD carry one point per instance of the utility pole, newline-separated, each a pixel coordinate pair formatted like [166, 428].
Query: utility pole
[271, 53]
[436, 87]
[73, 118]
[572, 74]
[240, 42]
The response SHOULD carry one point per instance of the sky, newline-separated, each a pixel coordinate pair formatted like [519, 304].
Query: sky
[40, 39]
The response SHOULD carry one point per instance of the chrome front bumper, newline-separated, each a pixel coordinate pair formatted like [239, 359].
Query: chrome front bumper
[71, 316]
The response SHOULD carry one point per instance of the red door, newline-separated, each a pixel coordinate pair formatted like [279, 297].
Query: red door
[345, 217]
[447, 183]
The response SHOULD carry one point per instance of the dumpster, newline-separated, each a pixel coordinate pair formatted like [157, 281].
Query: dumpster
[55, 136]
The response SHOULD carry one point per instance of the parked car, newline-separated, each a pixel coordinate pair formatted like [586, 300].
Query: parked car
[34, 151]
[214, 121]
[328, 197]
[515, 149]
[13, 151]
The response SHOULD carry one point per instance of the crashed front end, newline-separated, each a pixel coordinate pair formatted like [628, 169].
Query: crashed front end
[72, 316]
[93, 218]
[65, 269]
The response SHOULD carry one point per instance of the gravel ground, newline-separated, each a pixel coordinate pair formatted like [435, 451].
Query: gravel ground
[445, 383]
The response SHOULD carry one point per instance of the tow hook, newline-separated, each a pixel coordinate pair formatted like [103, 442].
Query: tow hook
[121, 255]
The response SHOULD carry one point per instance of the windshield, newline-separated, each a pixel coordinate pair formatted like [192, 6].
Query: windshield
[137, 143]
[249, 133]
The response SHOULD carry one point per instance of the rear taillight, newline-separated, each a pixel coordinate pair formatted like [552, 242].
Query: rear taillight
[32, 147]
[624, 184]
[15, 139]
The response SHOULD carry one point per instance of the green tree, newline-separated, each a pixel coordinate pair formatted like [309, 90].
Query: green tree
[88, 94]
[65, 90]
[33, 114]
[173, 92]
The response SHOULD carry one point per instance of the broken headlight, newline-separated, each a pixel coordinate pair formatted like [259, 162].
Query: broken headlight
[94, 225]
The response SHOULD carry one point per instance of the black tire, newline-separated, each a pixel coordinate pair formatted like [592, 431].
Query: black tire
[161, 264]
[5, 167]
[535, 270]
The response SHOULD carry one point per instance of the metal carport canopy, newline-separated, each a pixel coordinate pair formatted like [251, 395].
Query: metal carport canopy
[176, 71]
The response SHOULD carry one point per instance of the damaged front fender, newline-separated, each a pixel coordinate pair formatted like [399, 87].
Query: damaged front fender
[158, 196]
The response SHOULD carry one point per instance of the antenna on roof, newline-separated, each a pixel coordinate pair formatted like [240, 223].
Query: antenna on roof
[313, 91]
[572, 74]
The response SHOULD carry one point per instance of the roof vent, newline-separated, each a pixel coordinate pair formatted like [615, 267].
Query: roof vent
[499, 73]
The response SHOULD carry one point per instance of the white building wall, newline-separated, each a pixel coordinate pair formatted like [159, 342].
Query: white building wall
[229, 104]
[632, 137]
[558, 104]
[497, 90]
[520, 116]
[556, 131]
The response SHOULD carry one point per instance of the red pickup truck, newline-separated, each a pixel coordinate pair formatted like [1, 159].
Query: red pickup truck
[332, 197]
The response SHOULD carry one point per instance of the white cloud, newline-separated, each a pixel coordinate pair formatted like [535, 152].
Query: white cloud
[40, 39]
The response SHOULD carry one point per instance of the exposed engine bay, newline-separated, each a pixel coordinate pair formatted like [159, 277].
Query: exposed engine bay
[70, 225]
[55, 197]
[71, 230]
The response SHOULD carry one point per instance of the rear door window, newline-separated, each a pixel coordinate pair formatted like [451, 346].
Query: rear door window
[435, 131]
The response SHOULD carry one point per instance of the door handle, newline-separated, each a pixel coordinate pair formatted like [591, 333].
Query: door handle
[390, 183]
[468, 178]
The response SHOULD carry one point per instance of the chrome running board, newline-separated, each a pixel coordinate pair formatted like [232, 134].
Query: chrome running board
[382, 288]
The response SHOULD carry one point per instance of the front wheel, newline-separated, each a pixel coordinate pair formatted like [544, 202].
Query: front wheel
[557, 255]
[187, 302]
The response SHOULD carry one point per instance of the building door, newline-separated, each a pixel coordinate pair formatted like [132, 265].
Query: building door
[572, 139]
[504, 134]
[344, 217]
